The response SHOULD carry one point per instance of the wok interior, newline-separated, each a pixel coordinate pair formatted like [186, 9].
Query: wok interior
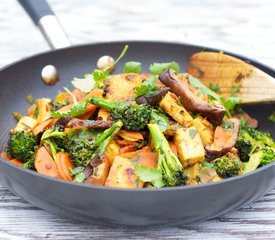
[23, 78]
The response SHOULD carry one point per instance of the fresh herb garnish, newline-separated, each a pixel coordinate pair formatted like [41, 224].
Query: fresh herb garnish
[159, 118]
[157, 68]
[215, 88]
[96, 78]
[148, 87]
[234, 90]
[272, 117]
[230, 104]
[76, 110]
[151, 175]
[227, 125]
[132, 67]
[17, 115]
[192, 132]
[198, 84]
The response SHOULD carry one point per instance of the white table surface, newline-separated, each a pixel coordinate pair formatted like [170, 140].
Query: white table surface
[246, 27]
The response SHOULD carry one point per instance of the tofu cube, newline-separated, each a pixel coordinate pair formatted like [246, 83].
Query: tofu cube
[190, 146]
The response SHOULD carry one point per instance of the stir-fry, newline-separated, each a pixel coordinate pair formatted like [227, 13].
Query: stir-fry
[139, 130]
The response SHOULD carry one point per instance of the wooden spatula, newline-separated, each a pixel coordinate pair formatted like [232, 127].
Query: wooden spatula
[255, 86]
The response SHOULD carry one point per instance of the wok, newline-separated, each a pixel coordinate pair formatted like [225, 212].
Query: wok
[103, 205]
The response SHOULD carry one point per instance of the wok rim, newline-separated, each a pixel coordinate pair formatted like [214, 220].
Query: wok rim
[102, 188]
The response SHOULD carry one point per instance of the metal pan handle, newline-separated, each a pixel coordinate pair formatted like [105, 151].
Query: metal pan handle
[43, 16]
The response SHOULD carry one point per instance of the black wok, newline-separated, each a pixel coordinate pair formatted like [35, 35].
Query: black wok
[169, 206]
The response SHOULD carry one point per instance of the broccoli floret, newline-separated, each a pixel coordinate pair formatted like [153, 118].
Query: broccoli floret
[134, 117]
[268, 156]
[22, 145]
[56, 139]
[168, 164]
[263, 157]
[251, 140]
[85, 146]
[244, 148]
[226, 166]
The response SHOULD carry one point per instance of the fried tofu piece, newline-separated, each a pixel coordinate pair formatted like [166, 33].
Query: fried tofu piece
[205, 129]
[122, 86]
[25, 124]
[122, 174]
[112, 150]
[189, 145]
[172, 106]
[100, 173]
[200, 174]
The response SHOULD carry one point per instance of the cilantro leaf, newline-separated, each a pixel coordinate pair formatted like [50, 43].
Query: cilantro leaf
[198, 84]
[152, 175]
[230, 104]
[234, 90]
[75, 110]
[159, 118]
[272, 117]
[85, 84]
[99, 76]
[157, 68]
[215, 88]
[132, 67]
[148, 87]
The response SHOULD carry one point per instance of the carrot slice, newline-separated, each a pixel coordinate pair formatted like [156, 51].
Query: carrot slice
[45, 164]
[16, 162]
[143, 157]
[64, 164]
[126, 149]
[41, 127]
[5, 156]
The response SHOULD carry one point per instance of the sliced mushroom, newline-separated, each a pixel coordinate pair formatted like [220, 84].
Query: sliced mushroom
[90, 124]
[192, 102]
[154, 100]
[225, 137]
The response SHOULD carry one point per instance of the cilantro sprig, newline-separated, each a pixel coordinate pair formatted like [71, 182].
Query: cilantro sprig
[147, 88]
[97, 77]
[76, 110]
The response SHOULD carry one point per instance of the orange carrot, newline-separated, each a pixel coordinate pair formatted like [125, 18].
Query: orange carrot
[16, 162]
[31, 110]
[143, 157]
[90, 109]
[64, 164]
[174, 148]
[5, 156]
[45, 164]
[97, 92]
[40, 128]
[67, 130]
[126, 149]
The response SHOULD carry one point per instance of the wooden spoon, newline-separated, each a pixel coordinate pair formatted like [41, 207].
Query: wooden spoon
[255, 86]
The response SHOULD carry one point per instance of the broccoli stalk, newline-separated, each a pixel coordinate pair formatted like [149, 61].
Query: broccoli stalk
[261, 158]
[168, 163]
[134, 117]
[22, 145]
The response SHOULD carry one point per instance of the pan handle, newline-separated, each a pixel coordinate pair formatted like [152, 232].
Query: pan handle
[43, 16]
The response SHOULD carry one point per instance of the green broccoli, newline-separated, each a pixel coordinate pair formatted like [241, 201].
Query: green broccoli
[227, 167]
[55, 139]
[22, 145]
[261, 158]
[84, 146]
[168, 164]
[134, 117]
[251, 140]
